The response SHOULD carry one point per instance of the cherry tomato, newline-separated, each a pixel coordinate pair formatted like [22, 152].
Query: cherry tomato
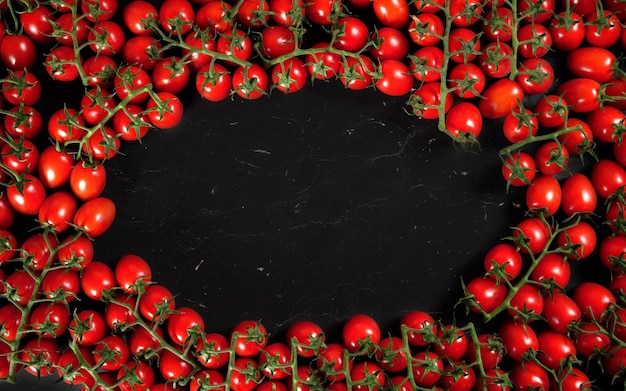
[602, 29]
[144, 374]
[182, 325]
[213, 82]
[26, 196]
[612, 252]
[179, 10]
[95, 216]
[45, 352]
[117, 315]
[77, 252]
[427, 368]
[251, 338]
[274, 361]
[426, 29]
[212, 350]
[490, 348]
[593, 300]
[554, 348]
[289, 76]
[607, 177]
[136, 14]
[360, 332]
[559, 311]
[426, 63]
[93, 327]
[172, 367]
[590, 338]
[250, 82]
[324, 65]
[18, 52]
[392, 356]
[518, 338]
[581, 236]
[422, 328]
[551, 158]
[535, 233]
[535, 76]
[53, 315]
[529, 375]
[426, 99]
[356, 74]
[581, 94]
[307, 337]
[534, 40]
[487, 294]
[500, 98]
[241, 380]
[156, 303]
[132, 123]
[214, 17]
[464, 121]
[355, 33]
[498, 23]
[567, 30]
[580, 137]
[321, 11]
[544, 193]
[605, 123]
[392, 44]
[107, 38]
[495, 59]
[505, 257]
[129, 269]
[466, 80]
[210, 378]
[87, 182]
[116, 351]
[527, 303]
[519, 169]
[57, 211]
[23, 121]
[579, 196]
[396, 80]
[463, 44]
[277, 41]
[452, 342]
[165, 110]
[96, 277]
[128, 80]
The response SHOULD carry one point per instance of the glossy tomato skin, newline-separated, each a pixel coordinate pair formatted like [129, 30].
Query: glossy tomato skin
[602, 29]
[251, 338]
[579, 195]
[526, 303]
[95, 216]
[544, 193]
[22, 87]
[529, 376]
[560, 311]
[359, 332]
[500, 98]
[213, 82]
[289, 76]
[612, 252]
[567, 30]
[607, 177]
[134, 15]
[212, 351]
[277, 41]
[605, 123]
[581, 93]
[595, 63]
[95, 278]
[54, 168]
[94, 331]
[324, 65]
[590, 338]
[129, 270]
[392, 356]
[453, 343]
[305, 335]
[156, 296]
[554, 348]
[28, 199]
[535, 40]
[421, 327]
[519, 169]
[87, 182]
[535, 76]
[78, 252]
[426, 100]
[593, 300]
[57, 315]
[505, 256]
[355, 34]
[18, 52]
[464, 121]
[250, 82]
[392, 13]
[427, 368]
[518, 338]
[332, 362]
[535, 231]
[274, 361]
[182, 324]
[396, 79]
[495, 59]
[394, 45]
[551, 158]
[168, 117]
[131, 124]
[582, 236]
[487, 294]
[362, 69]
[57, 211]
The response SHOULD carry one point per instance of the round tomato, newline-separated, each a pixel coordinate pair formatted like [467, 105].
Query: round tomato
[594, 300]
[277, 41]
[96, 277]
[426, 29]
[498, 23]
[421, 328]
[236, 44]
[503, 257]
[57, 211]
[180, 11]
[391, 13]
[143, 373]
[355, 33]
[552, 267]
[466, 80]
[156, 303]
[487, 294]
[607, 177]
[44, 352]
[323, 65]
[117, 313]
[136, 14]
[602, 28]
[76, 251]
[490, 349]
[356, 73]
[21, 87]
[554, 348]
[23, 121]
[275, 360]
[87, 182]
[519, 169]
[391, 355]
[214, 17]
[551, 158]
[463, 45]
[427, 368]
[27, 195]
[392, 44]
[55, 167]
[533, 234]
[518, 338]
[500, 98]
[173, 367]
[464, 121]
[129, 269]
[534, 40]
[289, 76]
[18, 52]
[208, 378]
[132, 123]
[606, 123]
[529, 375]
[111, 352]
[212, 350]
[245, 376]
[165, 110]
[580, 238]
[544, 193]
[184, 326]
[360, 333]
[495, 59]
[452, 343]
[307, 337]
[88, 327]
[526, 304]
[567, 29]
[249, 337]
[213, 82]
[107, 38]
[195, 45]
[535, 76]
[551, 111]
[426, 64]
[128, 80]
[426, 100]
[396, 80]
[54, 317]
[332, 362]
[590, 338]
[612, 253]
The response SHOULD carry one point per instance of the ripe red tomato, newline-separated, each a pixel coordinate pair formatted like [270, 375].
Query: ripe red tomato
[180, 10]
[593, 300]
[592, 62]
[602, 28]
[554, 348]
[129, 269]
[421, 328]
[323, 65]
[579, 196]
[236, 44]
[355, 34]
[57, 211]
[535, 76]
[466, 80]
[612, 252]
[517, 338]
[287, 13]
[140, 51]
[465, 13]
[77, 252]
[251, 337]
[464, 121]
[36, 24]
[66, 280]
[500, 98]
[145, 376]
[579, 138]
[289, 76]
[463, 380]
[277, 41]
[27, 195]
[128, 80]
[391, 356]
[12, 318]
[87, 182]
[559, 311]
[244, 376]
[45, 352]
[96, 277]
[393, 44]
[210, 378]
[487, 294]
[497, 25]
[391, 13]
[332, 362]
[95, 216]
[95, 106]
[551, 158]
[529, 375]
[132, 123]
[184, 326]
[117, 346]
[590, 338]
[581, 94]
[607, 177]
[552, 267]
[107, 38]
[156, 303]
[519, 169]
[135, 15]
[321, 11]
[307, 337]
[581, 237]
[551, 111]
[535, 233]
[23, 121]
[21, 87]
[165, 110]
[117, 315]
[605, 123]
[172, 367]
[426, 29]
[367, 370]
[505, 257]
[527, 303]
[452, 343]
[18, 52]
[20, 156]
[93, 327]
[356, 73]
[490, 348]
[495, 59]
[213, 82]
[55, 315]
[426, 63]
[544, 193]
[427, 368]
[426, 100]
[359, 333]
[463, 44]
[396, 79]
[275, 360]
[536, 11]
[170, 75]
[534, 40]
[143, 341]
[212, 350]
[567, 30]
[54, 168]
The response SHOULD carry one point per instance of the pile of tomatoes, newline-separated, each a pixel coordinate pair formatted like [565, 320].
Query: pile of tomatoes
[459, 62]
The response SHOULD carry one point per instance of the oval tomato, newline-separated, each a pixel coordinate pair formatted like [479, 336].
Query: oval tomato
[579, 195]
[544, 193]
[500, 98]
[95, 216]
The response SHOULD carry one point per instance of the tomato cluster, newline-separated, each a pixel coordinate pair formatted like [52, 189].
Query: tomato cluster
[461, 62]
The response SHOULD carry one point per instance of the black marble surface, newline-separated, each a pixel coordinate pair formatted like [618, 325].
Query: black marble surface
[316, 205]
